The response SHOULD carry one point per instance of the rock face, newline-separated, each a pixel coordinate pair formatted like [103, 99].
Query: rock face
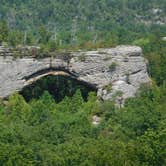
[114, 72]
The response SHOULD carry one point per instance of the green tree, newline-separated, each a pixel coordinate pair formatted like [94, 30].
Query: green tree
[4, 30]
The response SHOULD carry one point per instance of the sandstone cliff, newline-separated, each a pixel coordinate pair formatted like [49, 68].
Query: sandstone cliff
[114, 72]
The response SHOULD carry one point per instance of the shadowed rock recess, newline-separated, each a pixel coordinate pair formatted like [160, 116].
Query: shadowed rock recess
[114, 71]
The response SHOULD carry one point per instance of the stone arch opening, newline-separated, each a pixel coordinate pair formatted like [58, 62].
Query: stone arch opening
[58, 82]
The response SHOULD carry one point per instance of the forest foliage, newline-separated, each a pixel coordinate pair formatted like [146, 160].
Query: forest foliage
[45, 132]
[68, 24]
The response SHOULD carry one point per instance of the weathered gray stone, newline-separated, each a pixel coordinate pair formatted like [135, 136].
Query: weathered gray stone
[96, 120]
[163, 38]
[122, 67]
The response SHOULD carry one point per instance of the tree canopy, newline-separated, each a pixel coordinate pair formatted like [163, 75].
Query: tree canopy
[40, 130]
[43, 132]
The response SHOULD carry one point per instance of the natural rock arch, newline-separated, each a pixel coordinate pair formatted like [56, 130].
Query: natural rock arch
[109, 70]
[48, 71]
[58, 83]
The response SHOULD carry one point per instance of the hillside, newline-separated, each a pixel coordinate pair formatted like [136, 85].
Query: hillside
[54, 119]
[56, 14]
[83, 22]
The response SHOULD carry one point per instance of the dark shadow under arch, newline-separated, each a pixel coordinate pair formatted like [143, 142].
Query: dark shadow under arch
[58, 86]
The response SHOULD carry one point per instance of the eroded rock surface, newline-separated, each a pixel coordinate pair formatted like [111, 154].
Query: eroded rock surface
[113, 71]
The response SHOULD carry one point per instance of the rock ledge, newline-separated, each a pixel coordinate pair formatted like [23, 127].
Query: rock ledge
[115, 71]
